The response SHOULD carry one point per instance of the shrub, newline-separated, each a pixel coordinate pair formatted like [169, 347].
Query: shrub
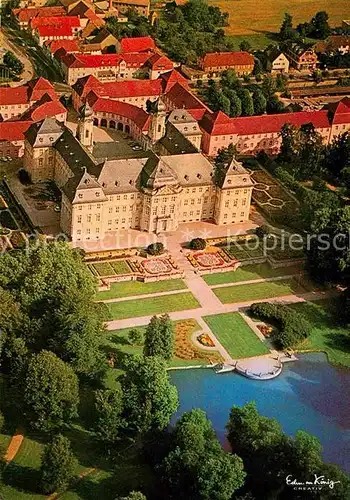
[292, 327]
[155, 248]
[135, 337]
[262, 231]
[198, 244]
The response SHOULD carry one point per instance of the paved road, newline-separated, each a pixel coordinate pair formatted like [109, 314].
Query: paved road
[28, 72]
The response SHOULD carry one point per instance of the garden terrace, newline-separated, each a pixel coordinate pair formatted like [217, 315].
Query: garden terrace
[12, 216]
[235, 335]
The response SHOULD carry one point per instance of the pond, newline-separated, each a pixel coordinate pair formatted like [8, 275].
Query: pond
[310, 394]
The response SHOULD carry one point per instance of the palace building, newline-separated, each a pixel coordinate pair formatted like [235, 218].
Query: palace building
[171, 184]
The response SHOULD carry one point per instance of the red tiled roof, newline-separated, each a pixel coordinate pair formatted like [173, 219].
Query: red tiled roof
[13, 131]
[138, 44]
[64, 21]
[217, 123]
[215, 59]
[135, 114]
[180, 97]
[67, 45]
[54, 31]
[83, 85]
[130, 88]
[25, 15]
[340, 111]
[33, 91]
[39, 87]
[44, 108]
[13, 95]
[170, 78]
[99, 60]
[158, 61]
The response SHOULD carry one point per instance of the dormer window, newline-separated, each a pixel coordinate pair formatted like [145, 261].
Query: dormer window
[80, 195]
[229, 181]
[186, 177]
[41, 139]
[199, 176]
[51, 139]
[131, 182]
[116, 183]
[97, 194]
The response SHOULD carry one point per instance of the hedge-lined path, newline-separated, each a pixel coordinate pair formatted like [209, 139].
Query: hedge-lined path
[14, 445]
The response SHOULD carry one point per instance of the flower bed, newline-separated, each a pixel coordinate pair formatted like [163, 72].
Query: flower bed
[209, 259]
[265, 330]
[120, 266]
[184, 347]
[156, 266]
[205, 340]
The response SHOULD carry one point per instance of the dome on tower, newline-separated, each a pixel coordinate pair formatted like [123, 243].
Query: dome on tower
[86, 111]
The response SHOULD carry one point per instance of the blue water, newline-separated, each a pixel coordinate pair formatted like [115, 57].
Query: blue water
[310, 394]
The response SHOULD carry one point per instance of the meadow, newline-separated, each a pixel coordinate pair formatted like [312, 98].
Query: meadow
[247, 18]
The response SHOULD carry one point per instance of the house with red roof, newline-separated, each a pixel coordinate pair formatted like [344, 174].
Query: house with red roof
[137, 44]
[214, 63]
[12, 138]
[56, 28]
[25, 16]
[136, 92]
[252, 134]
[14, 101]
[106, 67]
[68, 46]
[159, 64]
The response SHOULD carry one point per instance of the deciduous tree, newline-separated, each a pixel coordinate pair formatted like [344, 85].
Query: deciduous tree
[58, 465]
[149, 397]
[51, 394]
[159, 338]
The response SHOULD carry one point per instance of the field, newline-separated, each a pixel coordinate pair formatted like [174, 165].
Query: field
[246, 273]
[325, 335]
[152, 305]
[129, 288]
[258, 291]
[235, 335]
[246, 17]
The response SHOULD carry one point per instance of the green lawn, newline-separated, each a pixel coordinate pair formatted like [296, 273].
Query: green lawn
[258, 41]
[235, 335]
[326, 336]
[129, 288]
[253, 272]
[258, 291]
[152, 305]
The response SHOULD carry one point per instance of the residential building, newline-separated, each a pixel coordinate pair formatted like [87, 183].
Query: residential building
[213, 64]
[335, 44]
[136, 92]
[14, 101]
[106, 67]
[277, 62]
[301, 58]
[142, 7]
[24, 16]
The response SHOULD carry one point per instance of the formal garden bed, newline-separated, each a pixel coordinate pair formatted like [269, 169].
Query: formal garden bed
[131, 288]
[129, 268]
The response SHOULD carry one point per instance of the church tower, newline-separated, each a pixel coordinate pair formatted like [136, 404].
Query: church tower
[158, 116]
[85, 126]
